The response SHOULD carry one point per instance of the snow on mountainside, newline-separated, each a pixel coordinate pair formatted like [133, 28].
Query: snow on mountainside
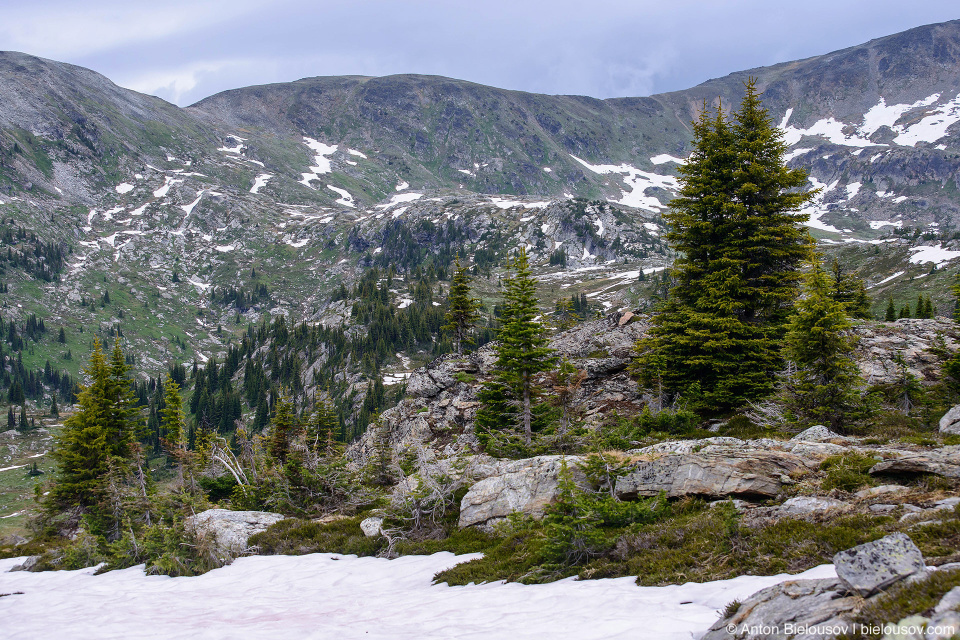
[300, 186]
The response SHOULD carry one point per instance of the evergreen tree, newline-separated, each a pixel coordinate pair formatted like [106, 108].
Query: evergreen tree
[54, 410]
[462, 310]
[522, 353]
[891, 314]
[24, 425]
[849, 290]
[283, 428]
[920, 309]
[741, 240]
[905, 311]
[322, 428]
[11, 419]
[172, 417]
[825, 387]
[94, 438]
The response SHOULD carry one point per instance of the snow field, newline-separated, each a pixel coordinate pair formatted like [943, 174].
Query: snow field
[332, 596]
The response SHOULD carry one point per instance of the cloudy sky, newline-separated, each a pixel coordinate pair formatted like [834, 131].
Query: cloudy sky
[185, 50]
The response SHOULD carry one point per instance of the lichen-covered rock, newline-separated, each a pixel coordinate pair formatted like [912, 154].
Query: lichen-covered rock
[523, 486]
[230, 530]
[870, 567]
[791, 609]
[753, 473]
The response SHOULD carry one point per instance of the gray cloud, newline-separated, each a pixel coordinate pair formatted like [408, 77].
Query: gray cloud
[183, 51]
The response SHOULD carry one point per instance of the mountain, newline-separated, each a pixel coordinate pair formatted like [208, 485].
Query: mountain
[181, 227]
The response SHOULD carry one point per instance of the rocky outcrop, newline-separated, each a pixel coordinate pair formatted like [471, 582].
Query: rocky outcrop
[942, 462]
[950, 422]
[869, 568]
[827, 608]
[796, 608]
[751, 474]
[519, 486]
[882, 344]
[230, 530]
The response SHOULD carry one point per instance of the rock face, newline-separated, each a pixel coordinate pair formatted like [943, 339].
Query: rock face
[869, 568]
[525, 486]
[797, 604]
[943, 462]
[753, 473]
[230, 530]
[950, 422]
[880, 344]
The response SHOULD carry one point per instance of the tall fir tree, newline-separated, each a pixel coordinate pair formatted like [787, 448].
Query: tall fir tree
[172, 418]
[849, 290]
[284, 423]
[95, 439]
[741, 240]
[891, 314]
[462, 310]
[522, 354]
[826, 385]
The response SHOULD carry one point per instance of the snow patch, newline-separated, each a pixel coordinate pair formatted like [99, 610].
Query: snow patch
[223, 248]
[345, 198]
[664, 158]
[399, 198]
[322, 162]
[887, 279]
[188, 208]
[260, 182]
[879, 224]
[935, 254]
[124, 187]
[638, 181]
[402, 185]
[852, 189]
[165, 189]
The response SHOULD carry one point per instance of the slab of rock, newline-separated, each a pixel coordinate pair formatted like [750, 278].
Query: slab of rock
[803, 505]
[526, 486]
[943, 626]
[230, 530]
[942, 462]
[882, 490]
[803, 606]
[950, 422]
[871, 567]
[749, 473]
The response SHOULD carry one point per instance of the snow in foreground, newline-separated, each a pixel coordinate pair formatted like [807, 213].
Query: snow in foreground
[345, 597]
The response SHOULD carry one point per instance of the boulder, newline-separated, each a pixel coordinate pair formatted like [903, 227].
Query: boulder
[949, 602]
[230, 530]
[748, 473]
[942, 462]
[950, 422]
[795, 608]
[817, 433]
[803, 505]
[372, 526]
[870, 567]
[525, 486]
[943, 626]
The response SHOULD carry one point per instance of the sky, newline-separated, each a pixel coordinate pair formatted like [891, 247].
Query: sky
[186, 50]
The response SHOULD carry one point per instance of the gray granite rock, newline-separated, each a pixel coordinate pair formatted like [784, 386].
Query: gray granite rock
[950, 422]
[372, 526]
[815, 609]
[230, 530]
[870, 567]
[753, 473]
[525, 486]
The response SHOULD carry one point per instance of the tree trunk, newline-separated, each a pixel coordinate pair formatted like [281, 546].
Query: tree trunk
[527, 429]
